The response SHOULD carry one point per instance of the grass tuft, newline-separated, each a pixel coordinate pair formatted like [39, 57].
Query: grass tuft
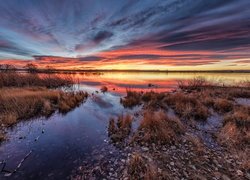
[197, 83]
[157, 127]
[120, 129]
[138, 168]
[132, 99]
[187, 106]
[223, 105]
[104, 89]
[236, 128]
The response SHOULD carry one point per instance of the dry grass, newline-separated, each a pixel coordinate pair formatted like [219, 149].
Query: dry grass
[196, 142]
[2, 136]
[223, 105]
[197, 83]
[240, 92]
[245, 156]
[157, 127]
[132, 99]
[236, 128]
[15, 79]
[207, 100]
[70, 100]
[25, 103]
[104, 89]
[151, 98]
[138, 168]
[187, 106]
[120, 129]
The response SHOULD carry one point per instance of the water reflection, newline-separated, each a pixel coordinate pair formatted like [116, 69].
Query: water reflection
[120, 81]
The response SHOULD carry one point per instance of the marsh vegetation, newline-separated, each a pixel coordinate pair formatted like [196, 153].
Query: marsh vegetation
[28, 95]
[179, 119]
[199, 129]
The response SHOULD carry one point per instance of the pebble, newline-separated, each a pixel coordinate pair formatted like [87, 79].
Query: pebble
[217, 175]
[173, 147]
[225, 177]
[144, 149]
[248, 176]
[239, 173]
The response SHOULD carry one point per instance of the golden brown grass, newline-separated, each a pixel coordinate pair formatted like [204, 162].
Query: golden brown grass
[151, 98]
[196, 142]
[223, 105]
[104, 89]
[157, 127]
[240, 92]
[2, 136]
[138, 168]
[15, 79]
[25, 103]
[187, 106]
[120, 129]
[132, 99]
[197, 83]
[236, 128]
[245, 156]
[70, 100]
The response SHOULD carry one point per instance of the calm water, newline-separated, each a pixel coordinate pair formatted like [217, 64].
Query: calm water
[69, 139]
[120, 81]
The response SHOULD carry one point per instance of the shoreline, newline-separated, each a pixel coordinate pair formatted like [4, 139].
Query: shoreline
[139, 71]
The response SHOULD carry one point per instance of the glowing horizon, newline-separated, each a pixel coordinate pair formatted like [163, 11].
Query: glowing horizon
[132, 35]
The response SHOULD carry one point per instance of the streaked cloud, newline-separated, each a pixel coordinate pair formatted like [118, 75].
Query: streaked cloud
[136, 34]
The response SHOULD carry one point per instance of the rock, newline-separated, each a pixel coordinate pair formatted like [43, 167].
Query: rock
[145, 149]
[201, 177]
[217, 175]
[159, 170]
[172, 163]
[50, 174]
[239, 173]
[185, 174]
[173, 147]
[248, 175]
[225, 177]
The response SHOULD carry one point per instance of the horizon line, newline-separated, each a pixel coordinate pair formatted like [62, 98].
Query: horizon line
[142, 70]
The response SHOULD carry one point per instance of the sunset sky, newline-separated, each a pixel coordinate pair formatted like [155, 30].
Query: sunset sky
[126, 34]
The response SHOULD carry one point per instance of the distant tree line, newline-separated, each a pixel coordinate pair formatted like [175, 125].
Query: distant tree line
[30, 68]
[7, 67]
